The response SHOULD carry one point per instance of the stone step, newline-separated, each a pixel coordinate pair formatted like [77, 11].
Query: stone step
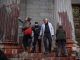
[34, 55]
[45, 58]
[40, 56]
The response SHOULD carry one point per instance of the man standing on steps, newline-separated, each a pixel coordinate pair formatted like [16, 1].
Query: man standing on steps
[47, 32]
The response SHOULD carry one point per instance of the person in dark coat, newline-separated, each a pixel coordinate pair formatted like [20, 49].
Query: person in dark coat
[36, 30]
[61, 41]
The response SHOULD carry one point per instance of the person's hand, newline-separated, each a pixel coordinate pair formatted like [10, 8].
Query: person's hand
[53, 37]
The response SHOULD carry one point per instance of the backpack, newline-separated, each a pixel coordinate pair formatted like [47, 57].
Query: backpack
[28, 31]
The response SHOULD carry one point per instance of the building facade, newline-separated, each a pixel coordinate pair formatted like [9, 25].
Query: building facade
[57, 11]
[64, 12]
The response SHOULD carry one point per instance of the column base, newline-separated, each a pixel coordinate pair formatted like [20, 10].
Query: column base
[69, 46]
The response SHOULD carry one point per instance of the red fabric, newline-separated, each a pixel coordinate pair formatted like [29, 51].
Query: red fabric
[28, 31]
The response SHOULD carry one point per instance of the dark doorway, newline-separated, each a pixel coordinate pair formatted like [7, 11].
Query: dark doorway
[76, 18]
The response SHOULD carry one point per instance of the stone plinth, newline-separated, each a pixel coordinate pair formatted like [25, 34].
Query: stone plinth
[11, 49]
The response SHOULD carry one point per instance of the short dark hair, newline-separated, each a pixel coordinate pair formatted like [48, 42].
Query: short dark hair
[36, 22]
[60, 26]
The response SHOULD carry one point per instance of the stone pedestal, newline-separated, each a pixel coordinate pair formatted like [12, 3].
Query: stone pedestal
[11, 49]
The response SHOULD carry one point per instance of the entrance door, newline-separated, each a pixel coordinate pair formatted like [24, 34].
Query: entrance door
[76, 18]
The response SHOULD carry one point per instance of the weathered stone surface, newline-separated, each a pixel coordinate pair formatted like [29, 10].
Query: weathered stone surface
[38, 9]
[40, 56]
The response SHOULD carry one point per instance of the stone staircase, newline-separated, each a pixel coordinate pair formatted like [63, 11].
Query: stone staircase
[16, 52]
[39, 56]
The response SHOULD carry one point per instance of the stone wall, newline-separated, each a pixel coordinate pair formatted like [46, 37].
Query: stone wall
[75, 1]
[37, 9]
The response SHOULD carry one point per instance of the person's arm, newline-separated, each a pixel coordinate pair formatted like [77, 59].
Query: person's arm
[41, 31]
[65, 35]
[33, 28]
[21, 20]
[57, 32]
[52, 30]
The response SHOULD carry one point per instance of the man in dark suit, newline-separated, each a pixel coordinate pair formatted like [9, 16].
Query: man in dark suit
[36, 31]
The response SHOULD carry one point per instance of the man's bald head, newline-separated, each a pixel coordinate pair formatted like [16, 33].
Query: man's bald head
[45, 20]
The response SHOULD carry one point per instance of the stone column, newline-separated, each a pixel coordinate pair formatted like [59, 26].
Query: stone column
[9, 12]
[63, 15]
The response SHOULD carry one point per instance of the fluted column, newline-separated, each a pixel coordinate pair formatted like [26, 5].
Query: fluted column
[9, 12]
[63, 15]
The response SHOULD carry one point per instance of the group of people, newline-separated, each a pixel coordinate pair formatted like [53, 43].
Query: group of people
[44, 33]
